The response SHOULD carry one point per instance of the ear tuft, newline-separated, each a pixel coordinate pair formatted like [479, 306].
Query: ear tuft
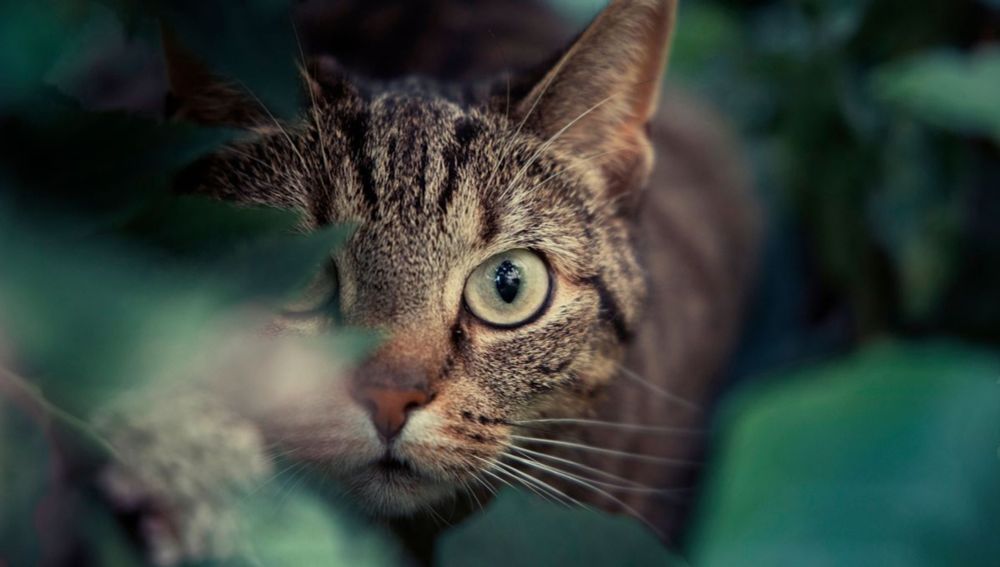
[597, 100]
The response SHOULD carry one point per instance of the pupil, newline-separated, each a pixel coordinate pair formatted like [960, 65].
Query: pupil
[508, 281]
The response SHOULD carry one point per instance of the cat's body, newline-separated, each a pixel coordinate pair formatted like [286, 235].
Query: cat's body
[646, 278]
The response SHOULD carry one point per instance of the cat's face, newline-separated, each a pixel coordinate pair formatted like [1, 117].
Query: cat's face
[490, 250]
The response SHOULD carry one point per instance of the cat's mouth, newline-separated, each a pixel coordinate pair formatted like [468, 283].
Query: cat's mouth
[393, 466]
[395, 486]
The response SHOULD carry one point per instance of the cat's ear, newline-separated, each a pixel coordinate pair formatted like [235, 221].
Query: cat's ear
[598, 98]
[199, 95]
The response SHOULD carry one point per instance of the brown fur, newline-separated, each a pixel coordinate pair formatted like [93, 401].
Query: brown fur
[437, 177]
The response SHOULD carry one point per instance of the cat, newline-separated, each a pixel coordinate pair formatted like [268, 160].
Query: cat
[556, 252]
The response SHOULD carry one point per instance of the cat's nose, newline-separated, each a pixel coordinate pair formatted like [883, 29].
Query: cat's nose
[389, 407]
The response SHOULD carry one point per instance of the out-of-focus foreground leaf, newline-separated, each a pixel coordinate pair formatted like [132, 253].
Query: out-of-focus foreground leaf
[88, 318]
[948, 89]
[95, 169]
[290, 526]
[24, 472]
[889, 457]
[520, 530]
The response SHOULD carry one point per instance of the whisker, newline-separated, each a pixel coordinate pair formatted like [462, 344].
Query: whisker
[527, 483]
[531, 482]
[277, 123]
[604, 451]
[563, 499]
[429, 509]
[576, 480]
[506, 113]
[614, 425]
[474, 475]
[581, 466]
[314, 111]
[520, 482]
[572, 166]
[485, 485]
[471, 492]
[552, 139]
[555, 470]
[288, 487]
[659, 390]
[501, 480]
[506, 58]
[508, 147]
[247, 156]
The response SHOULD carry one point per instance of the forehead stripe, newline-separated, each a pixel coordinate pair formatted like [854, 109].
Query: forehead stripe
[355, 128]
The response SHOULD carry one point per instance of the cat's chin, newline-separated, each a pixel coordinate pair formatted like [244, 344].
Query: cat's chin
[393, 489]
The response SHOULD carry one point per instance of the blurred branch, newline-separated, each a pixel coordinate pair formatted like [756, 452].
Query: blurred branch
[32, 395]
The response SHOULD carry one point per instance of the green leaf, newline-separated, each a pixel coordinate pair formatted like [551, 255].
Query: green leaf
[915, 215]
[888, 457]
[296, 527]
[93, 168]
[517, 529]
[24, 471]
[87, 318]
[950, 90]
[705, 32]
[580, 11]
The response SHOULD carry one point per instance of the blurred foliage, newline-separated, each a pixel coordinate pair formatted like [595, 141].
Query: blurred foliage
[948, 90]
[520, 530]
[866, 120]
[873, 127]
[886, 457]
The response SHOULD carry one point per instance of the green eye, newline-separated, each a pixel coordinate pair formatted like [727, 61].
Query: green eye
[509, 289]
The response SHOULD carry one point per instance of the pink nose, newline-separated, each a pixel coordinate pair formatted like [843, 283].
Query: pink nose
[389, 407]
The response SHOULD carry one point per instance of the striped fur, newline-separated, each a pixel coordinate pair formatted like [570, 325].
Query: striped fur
[439, 176]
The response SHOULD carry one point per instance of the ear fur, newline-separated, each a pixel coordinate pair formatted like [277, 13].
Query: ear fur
[597, 100]
[198, 95]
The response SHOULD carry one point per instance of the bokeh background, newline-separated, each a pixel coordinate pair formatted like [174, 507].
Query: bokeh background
[860, 423]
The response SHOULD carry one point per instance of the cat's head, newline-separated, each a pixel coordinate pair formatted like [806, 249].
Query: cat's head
[492, 247]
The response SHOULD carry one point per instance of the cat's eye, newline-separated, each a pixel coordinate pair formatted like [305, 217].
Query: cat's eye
[317, 298]
[509, 289]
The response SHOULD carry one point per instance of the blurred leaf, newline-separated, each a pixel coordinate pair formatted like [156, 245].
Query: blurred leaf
[517, 529]
[580, 11]
[950, 90]
[834, 22]
[199, 227]
[295, 527]
[705, 32]
[87, 318]
[915, 215]
[93, 168]
[889, 457]
[24, 470]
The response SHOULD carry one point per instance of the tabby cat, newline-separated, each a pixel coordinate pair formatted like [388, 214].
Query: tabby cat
[557, 254]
